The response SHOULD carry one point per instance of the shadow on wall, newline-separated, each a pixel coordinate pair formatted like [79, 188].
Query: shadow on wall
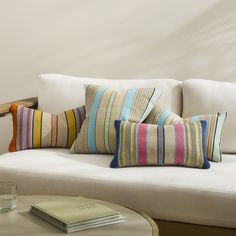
[120, 39]
[205, 48]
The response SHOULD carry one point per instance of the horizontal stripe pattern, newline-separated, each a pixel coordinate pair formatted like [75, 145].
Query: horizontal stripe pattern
[103, 107]
[140, 144]
[37, 129]
[215, 124]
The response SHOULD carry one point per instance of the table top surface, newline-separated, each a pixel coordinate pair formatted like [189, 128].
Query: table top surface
[21, 222]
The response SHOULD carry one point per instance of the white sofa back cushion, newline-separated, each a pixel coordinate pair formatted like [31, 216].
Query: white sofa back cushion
[205, 96]
[58, 93]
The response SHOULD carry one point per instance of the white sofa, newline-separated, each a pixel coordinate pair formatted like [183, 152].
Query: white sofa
[206, 197]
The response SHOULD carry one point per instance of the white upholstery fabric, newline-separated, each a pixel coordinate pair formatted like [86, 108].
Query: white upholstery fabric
[170, 193]
[204, 97]
[58, 93]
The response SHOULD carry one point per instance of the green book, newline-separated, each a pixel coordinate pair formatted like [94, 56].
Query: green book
[76, 213]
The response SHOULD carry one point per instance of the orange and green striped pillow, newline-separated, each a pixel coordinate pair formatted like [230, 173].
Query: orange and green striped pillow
[141, 144]
[37, 129]
[215, 123]
[105, 105]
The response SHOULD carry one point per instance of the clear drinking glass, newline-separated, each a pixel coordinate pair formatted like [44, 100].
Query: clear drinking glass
[8, 196]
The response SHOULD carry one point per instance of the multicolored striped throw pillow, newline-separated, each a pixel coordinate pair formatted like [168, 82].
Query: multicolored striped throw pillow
[105, 105]
[141, 144]
[215, 124]
[37, 129]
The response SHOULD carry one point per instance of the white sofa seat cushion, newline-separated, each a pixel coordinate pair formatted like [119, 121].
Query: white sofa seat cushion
[57, 93]
[171, 193]
[204, 97]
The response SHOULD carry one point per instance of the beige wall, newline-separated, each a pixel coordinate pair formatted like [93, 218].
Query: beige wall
[113, 39]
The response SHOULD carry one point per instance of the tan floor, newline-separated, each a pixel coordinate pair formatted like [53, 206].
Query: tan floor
[169, 228]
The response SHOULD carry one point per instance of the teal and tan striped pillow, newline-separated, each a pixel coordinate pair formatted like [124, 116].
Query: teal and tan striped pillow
[104, 106]
[215, 123]
[37, 129]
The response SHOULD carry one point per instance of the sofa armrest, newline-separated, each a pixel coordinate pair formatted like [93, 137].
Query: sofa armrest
[28, 102]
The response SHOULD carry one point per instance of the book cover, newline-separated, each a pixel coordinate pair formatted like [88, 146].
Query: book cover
[72, 210]
[84, 225]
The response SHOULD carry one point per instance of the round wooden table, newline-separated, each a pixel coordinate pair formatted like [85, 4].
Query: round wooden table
[20, 222]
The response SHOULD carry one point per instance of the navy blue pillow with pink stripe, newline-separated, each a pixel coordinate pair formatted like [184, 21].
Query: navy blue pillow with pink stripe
[139, 144]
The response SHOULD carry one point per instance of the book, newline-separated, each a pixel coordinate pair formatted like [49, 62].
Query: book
[72, 214]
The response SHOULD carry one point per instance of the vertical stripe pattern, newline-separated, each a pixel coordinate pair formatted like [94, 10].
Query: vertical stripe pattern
[150, 141]
[215, 124]
[36, 129]
[160, 116]
[103, 107]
